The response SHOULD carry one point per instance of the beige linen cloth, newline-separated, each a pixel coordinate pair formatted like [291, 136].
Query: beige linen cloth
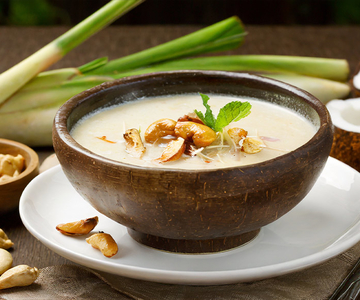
[66, 282]
[75, 282]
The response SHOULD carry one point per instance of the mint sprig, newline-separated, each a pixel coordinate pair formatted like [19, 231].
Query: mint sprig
[231, 112]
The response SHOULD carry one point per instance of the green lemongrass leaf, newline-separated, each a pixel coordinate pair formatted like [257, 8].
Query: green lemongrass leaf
[208, 119]
[93, 65]
[94, 23]
[232, 112]
[229, 32]
[48, 79]
[14, 78]
[327, 68]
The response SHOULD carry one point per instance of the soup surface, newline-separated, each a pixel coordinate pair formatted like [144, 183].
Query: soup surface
[280, 131]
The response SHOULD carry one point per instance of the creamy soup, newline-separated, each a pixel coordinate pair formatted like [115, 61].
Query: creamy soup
[279, 131]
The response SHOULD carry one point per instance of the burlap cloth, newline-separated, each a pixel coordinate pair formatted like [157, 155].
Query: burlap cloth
[76, 282]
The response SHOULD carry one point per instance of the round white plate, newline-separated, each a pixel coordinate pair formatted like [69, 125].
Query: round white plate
[324, 224]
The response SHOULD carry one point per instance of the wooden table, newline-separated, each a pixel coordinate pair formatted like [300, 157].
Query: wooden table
[17, 43]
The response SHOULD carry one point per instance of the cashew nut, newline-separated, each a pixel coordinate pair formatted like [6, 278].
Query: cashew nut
[5, 242]
[21, 275]
[158, 129]
[237, 134]
[201, 135]
[133, 143]
[11, 166]
[104, 242]
[81, 227]
[173, 150]
[252, 146]
[6, 260]
[191, 117]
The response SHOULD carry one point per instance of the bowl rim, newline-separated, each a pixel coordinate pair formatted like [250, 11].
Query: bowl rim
[34, 160]
[66, 109]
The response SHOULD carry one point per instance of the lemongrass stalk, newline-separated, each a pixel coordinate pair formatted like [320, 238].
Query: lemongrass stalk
[55, 92]
[32, 127]
[323, 89]
[54, 78]
[49, 79]
[15, 77]
[327, 68]
[53, 85]
[221, 36]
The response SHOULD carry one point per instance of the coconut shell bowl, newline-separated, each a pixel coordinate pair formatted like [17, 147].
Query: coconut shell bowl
[12, 188]
[193, 211]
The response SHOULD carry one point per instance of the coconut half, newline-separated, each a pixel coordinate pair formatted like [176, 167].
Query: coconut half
[355, 83]
[345, 115]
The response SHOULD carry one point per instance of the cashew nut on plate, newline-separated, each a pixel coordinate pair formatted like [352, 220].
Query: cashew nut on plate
[21, 275]
[5, 242]
[104, 242]
[6, 260]
[81, 227]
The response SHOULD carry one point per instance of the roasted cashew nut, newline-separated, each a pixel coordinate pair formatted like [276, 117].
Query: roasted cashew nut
[252, 146]
[103, 242]
[5, 242]
[81, 227]
[159, 129]
[6, 260]
[133, 143]
[201, 135]
[190, 118]
[237, 134]
[173, 150]
[21, 275]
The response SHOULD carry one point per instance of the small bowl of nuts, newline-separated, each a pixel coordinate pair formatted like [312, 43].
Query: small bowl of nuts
[19, 164]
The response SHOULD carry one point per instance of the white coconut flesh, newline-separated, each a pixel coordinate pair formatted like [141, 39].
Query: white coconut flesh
[345, 114]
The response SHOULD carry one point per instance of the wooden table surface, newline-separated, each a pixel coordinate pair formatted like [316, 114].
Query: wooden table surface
[16, 43]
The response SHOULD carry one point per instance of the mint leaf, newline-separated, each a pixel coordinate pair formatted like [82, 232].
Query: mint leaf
[232, 112]
[208, 119]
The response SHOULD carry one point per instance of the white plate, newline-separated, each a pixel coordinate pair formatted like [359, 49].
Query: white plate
[324, 224]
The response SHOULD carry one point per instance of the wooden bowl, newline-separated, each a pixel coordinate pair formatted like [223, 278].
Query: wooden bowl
[170, 209]
[11, 190]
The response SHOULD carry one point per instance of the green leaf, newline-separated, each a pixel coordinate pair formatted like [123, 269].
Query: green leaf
[209, 118]
[232, 112]
[93, 65]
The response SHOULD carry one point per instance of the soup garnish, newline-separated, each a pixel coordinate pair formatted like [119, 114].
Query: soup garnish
[193, 133]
